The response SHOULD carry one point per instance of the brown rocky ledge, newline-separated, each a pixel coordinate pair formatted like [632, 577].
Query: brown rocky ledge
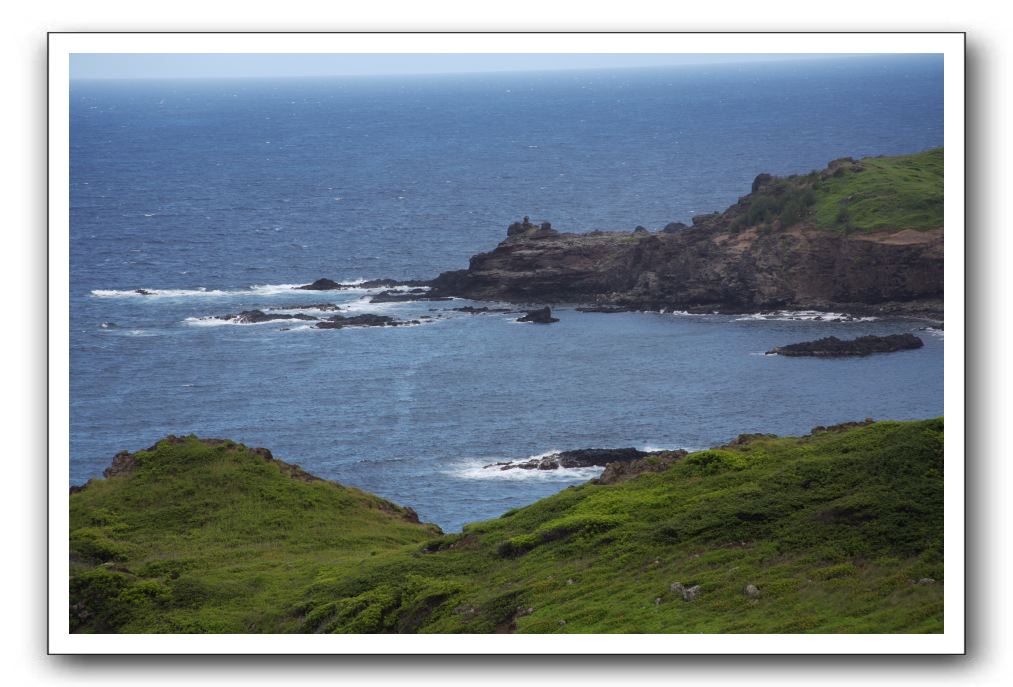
[707, 268]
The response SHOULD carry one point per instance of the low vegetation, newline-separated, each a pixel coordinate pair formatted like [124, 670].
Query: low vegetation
[839, 531]
[868, 195]
[216, 538]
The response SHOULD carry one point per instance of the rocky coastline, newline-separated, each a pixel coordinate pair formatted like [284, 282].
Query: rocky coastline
[736, 261]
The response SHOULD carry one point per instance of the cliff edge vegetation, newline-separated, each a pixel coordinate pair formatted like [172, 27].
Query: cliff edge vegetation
[837, 531]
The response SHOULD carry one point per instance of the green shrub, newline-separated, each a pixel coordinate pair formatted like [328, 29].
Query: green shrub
[713, 461]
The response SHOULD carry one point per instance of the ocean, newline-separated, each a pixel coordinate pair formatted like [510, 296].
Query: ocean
[217, 196]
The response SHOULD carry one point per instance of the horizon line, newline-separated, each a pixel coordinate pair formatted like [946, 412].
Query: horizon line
[747, 58]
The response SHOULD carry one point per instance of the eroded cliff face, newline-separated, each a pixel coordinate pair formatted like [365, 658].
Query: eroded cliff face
[701, 268]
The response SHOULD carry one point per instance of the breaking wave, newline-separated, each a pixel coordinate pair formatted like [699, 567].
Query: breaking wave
[211, 321]
[199, 292]
[352, 286]
[476, 468]
[803, 316]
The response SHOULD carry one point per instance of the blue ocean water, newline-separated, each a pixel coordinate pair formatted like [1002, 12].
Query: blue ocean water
[217, 196]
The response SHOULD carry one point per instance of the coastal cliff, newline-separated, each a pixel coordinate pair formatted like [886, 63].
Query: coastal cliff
[859, 235]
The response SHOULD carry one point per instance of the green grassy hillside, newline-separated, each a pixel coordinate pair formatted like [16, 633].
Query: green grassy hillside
[216, 538]
[868, 195]
[840, 531]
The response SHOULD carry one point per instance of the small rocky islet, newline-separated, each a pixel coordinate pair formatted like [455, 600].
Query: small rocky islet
[620, 463]
[832, 347]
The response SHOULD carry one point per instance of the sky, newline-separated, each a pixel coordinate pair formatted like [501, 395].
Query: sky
[202, 65]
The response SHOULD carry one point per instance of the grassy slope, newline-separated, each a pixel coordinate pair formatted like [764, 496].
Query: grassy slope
[874, 194]
[215, 539]
[833, 529]
[904, 192]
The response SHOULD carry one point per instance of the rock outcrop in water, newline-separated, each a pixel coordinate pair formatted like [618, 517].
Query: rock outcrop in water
[365, 320]
[325, 284]
[322, 285]
[768, 251]
[579, 458]
[540, 316]
[831, 346]
[259, 316]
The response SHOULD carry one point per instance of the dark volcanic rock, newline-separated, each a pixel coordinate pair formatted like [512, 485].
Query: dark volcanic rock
[321, 285]
[842, 427]
[143, 292]
[258, 316]
[366, 320]
[331, 285]
[308, 306]
[540, 316]
[388, 283]
[580, 458]
[760, 181]
[673, 227]
[123, 463]
[604, 308]
[621, 471]
[831, 346]
[528, 230]
[748, 438]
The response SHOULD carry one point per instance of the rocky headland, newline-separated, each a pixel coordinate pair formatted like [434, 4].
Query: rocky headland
[858, 236]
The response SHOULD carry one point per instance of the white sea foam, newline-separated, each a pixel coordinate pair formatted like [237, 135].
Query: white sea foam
[218, 322]
[475, 469]
[651, 448]
[362, 305]
[271, 289]
[254, 289]
[802, 315]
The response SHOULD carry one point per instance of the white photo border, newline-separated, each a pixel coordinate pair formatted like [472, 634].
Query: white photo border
[62, 45]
